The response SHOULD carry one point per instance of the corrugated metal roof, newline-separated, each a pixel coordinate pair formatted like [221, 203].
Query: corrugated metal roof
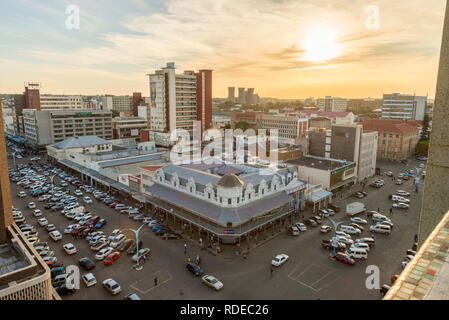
[129, 160]
[80, 142]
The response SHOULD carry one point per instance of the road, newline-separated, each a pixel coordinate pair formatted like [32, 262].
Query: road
[309, 273]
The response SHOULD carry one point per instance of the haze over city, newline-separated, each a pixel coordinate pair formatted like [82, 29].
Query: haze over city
[286, 49]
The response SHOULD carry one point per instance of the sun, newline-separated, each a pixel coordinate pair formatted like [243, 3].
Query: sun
[321, 45]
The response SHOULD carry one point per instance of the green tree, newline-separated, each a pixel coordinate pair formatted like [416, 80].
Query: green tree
[425, 133]
[422, 148]
[242, 125]
[115, 113]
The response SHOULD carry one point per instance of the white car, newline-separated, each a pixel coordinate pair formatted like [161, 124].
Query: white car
[212, 282]
[152, 223]
[70, 248]
[42, 222]
[89, 279]
[112, 286]
[114, 233]
[301, 226]
[79, 216]
[342, 234]
[400, 205]
[358, 220]
[37, 213]
[279, 260]
[31, 205]
[103, 253]
[331, 212]
[361, 245]
[55, 235]
[95, 234]
[70, 228]
[78, 193]
[21, 194]
[403, 193]
[117, 240]
[345, 240]
[87, 199]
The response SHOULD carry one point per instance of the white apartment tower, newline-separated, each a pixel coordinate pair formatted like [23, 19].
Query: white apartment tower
[398, 106]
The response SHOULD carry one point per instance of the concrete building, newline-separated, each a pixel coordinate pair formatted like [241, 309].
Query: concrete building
[332, 174]
[227, 202]
[320, 122]
[242, 96]
[334, 104]
[61, 102]
[128, 127]
[398, 106]
[346, 142]
[117, 103]
[9, 120]
[249, 117]
[137, 101]
[231, 94]
[49, 126]
[289, 127]
[397, 139]
[335, 117]
[358, 105]
[179, 99]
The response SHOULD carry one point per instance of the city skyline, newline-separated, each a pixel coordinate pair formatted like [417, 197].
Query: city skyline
[339, 54]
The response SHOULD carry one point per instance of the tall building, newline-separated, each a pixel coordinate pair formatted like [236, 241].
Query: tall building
[117, 103]
[250, 97]
[50, 126]
[204, 98]
[289, 127]
[242, 96]
[138, 100]
[231, 94]
[176, 100]
[32, 95]
[333, 104]
[60, 102]
[398, 106]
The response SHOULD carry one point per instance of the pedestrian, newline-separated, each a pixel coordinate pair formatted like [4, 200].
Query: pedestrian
[185, 248]
[155, 281]
[271, 271]
[372, 235]
[201, 242]
[391, 211]
[378, 209]
[416, 238]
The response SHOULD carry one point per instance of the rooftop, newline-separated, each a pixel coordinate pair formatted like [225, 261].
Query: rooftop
[319, 163]
[388, 125]
[80, 142]
[11, 259]
[426, 276]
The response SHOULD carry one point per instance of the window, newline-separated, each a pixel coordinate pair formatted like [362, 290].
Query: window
[249, 196]
[221, 200]
[229, 201]
[209, 195]
[238, 200]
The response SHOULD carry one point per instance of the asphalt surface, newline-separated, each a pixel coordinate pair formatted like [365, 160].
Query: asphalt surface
[308, 274]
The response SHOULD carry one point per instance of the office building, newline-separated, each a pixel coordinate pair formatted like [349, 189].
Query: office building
[231, 94]
[398, 106]
[50, 126]
[333, 104]
[346, 142]
[360, 105]
[289, 127]
[128, 127]
[119, 104]
[397, 138]
[138, 100]
[320, 122]
[60, 102]
[176, 100]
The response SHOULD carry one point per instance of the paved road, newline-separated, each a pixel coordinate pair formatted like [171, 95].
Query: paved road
[309, 273]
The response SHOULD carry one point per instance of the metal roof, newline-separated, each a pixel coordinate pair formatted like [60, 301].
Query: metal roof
[80, 142]
[319, 195]
[128, 160]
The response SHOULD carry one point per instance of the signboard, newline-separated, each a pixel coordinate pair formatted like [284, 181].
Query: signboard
[134, 179]
[153, 94]
[343, 169]
[83, 113]
[228, 231]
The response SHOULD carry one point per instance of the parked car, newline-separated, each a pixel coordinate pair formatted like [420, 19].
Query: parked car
[301, 226]
[279, 260]
[171, 236]
[334, 207]
[343, 257]
[358, 220]
[125, 245]
[194, 269]
[212, 282]
[103, 253]
[141, 254]
[70, 248]
[86, 263]
[111, 258]
[401, 205]
[112, 286]
[55, 235]
[327, 244]
[100, 224]
[89, 279]
[132, 296]
[325, 229]
[384, 289]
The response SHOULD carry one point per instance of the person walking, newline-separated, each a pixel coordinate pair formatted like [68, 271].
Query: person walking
[271, 271]
[185, 248]
[391, 211]
[416, 238]
[155, 281]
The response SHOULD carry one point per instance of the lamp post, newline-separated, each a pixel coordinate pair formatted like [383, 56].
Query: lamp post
[334, 239]
[51, 179]
[136, 233]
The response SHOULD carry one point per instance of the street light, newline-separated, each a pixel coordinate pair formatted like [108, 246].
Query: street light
[136, 233]
[334, 239]
[51, 178]
[14, 158]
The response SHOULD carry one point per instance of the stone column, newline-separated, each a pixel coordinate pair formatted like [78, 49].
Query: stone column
[5, 191]
[436, 200]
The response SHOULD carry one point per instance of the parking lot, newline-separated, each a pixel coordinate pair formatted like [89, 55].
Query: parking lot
[308, 274]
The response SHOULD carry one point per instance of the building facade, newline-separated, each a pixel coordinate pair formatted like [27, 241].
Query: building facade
[50, 126]
[289, 127]
[398, 106]
[117, 103]
[128, 127]
[334, 104]
[397, 139]
[61, 102]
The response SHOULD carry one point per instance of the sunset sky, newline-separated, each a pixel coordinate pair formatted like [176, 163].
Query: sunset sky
[282, 48]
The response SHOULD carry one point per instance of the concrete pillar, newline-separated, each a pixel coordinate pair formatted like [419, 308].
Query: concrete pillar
[435, 200]
[5, 191]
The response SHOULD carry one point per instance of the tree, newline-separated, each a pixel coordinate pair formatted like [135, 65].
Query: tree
[115, 113]
[242, 125]
[425, 133]
[422, 148]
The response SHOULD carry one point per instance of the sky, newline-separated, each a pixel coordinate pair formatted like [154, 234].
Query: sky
[282, 48]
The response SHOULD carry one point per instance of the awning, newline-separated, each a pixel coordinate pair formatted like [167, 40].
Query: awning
[319, 195]
[342, 183]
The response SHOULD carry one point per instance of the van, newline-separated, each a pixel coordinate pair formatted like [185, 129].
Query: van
[397, 198]
[380, 228]
[350, 229]
[59, 280]
[380, 218]
[357, 253]
[293, 231]
[361, 245]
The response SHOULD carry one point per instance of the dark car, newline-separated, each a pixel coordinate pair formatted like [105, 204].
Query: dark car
[86, 263]
[162, 231]
[57, 271]
[63, 290]
[125, 245]
[92, 221]
[311, 223]
[384, 289]
[327, 244]
[133, 248]
[85, 232]
[194, 269]
[48, 205]
[410, 252]
[100, 224]
[58, 206]
[161, 227]
[171, 236]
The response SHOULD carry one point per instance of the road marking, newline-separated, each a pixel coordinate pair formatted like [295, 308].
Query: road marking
[151, 279]
[312, 286]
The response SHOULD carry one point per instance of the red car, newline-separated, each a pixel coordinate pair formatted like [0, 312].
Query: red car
[54, 264]
[112, 205]
[343, 257]
[85, 232]
[78, 231]
[110, 259]
[92, 221]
